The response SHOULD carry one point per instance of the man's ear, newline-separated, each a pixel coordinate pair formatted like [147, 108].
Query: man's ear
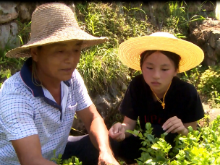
[34, 53]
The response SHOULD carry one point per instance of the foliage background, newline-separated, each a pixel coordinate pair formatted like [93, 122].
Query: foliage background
[119, 21]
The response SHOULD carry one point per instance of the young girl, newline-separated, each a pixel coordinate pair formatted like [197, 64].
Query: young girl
[157, 95]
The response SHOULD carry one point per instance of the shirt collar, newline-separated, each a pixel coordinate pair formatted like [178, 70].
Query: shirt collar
[26, 76]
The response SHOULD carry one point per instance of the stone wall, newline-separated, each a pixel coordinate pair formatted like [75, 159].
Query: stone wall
[207, 37]
[13, 13]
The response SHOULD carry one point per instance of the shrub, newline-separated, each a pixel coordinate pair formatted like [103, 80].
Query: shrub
[209, 84]
[99, 67]
[193, 76]
[71, 161]
[199, 147]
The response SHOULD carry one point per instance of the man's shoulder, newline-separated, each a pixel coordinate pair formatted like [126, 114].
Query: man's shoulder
[14, 80]
[76, 81]
[13, 84]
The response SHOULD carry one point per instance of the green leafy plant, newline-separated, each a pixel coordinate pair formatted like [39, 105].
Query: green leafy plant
[180, 17]
[199, 147]
[24, 31]
[5, 74]
[99, 67]
[71, 161]
[209, 84]
[193, 76]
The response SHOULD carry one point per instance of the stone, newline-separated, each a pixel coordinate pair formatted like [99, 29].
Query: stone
[217, 48]
[215, 34]
[103, 104]
[24, 12]
[212, 40]
[210, 51]
[8, 35]
[4, 35]
[124, 87]
[210, 62]
[206, 35]
[214, 113]
[7, 12]
[107, 105]
[208, 6]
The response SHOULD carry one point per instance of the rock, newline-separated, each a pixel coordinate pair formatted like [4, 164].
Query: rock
[214, 113]
[215, 34]
[210, 62]
[103, 104]
[210, 51]
[4, 35]
[206, 35]
[7, 12]
[217, 48]
[8, 35]
[107, 105]
[206, 107]
[25, 11]
[208, 6]
[124, 87]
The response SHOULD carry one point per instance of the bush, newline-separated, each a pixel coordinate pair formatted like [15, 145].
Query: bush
[209, 84]
[199, 147]
[99, 67]
[71, 161]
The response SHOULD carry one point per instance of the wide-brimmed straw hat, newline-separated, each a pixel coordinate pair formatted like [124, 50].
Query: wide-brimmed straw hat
[51, 23]
[130, 50]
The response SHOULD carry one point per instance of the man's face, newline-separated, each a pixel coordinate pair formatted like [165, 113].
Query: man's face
[57, 61]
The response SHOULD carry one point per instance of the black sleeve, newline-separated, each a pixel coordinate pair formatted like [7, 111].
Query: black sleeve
[126, 107]
[194, 110]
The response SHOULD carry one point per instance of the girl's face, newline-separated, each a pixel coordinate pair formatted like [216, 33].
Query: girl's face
[158, 71]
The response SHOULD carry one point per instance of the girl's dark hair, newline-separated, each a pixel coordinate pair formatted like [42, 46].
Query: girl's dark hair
[172, 56]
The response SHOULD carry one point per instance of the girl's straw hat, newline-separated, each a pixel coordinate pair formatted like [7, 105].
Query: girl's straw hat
[130, 50]
[51, 23]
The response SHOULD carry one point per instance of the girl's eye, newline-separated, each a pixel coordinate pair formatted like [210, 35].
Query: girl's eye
[149, 68]
[165, 69]
[60, 51]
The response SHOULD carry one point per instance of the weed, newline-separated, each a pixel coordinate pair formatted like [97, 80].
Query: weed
[24, 31]
[99, 66]
[180, 18]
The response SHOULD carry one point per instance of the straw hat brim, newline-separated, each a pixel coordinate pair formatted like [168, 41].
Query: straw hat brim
[68, 34]
[130, 50]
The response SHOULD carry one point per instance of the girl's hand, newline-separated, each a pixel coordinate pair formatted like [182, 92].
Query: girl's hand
[117, 132]
[175, 125]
